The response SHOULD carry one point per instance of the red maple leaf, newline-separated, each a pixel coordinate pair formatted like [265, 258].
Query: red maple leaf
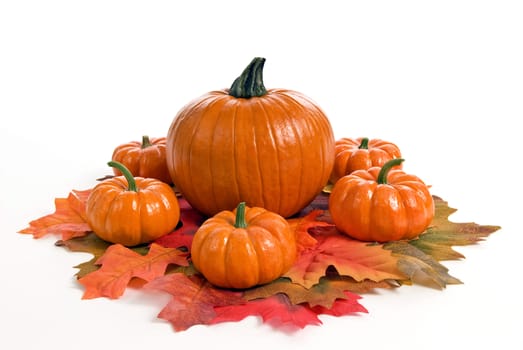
[68, 220]
[276, 310]
[342, 306]
[193, 299]
[121, 264]
[349, 257]
[190, 221]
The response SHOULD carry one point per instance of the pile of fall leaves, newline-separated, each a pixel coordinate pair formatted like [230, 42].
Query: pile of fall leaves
[330, 275]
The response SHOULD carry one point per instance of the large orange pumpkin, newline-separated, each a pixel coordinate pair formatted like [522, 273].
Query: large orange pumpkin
[269, 148]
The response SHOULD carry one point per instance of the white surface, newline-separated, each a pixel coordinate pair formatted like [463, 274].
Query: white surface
[442, 79]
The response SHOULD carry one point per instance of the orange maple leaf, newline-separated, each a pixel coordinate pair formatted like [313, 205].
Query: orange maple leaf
[349, 257]
[68, 219]
[120, 264]
[301, 227]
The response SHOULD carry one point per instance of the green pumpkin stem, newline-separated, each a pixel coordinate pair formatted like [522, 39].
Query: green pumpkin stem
[126, 173]
[146, 142]
[364, 143]
[384, 172]
[250, 82]
[240, 216]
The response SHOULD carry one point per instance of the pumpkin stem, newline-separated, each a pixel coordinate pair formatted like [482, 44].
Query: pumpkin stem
[384, 172]
[364, 143]
[240, 216]
[250, 82]
[126, 173]
[145, 141]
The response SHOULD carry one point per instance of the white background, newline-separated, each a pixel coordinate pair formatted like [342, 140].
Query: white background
[442, 79]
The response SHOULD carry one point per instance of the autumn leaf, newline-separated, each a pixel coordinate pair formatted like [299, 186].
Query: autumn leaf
[324, 293]
[341, 307]
[419, 267]
[443, 234]
[330, 273]
[68, 220]
[276, 310]
[301, 227]
[279, 311]
[296, 293]
[419, 258]
[120, 264]
[193, 301]
[320, 202]
[190, 221]
[349, 257]
[91, 244]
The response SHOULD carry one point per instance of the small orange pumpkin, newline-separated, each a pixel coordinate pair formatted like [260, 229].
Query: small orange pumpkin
[381, 204]
[144, 159]
[131, 211]
[270, 148]
[361, 153]
[244, 247]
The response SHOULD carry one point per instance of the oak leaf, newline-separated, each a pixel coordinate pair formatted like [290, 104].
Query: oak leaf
[120, 264]
[68, 219]
[193, 301]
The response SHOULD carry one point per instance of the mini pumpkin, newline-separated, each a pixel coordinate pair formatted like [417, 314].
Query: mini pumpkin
[270, 148]
[244, 247]
[131, 210]
[361, 153]
[144, 159]
[381, 204]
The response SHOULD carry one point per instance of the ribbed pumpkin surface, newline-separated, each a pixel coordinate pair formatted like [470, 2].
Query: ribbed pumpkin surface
[275, 151]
